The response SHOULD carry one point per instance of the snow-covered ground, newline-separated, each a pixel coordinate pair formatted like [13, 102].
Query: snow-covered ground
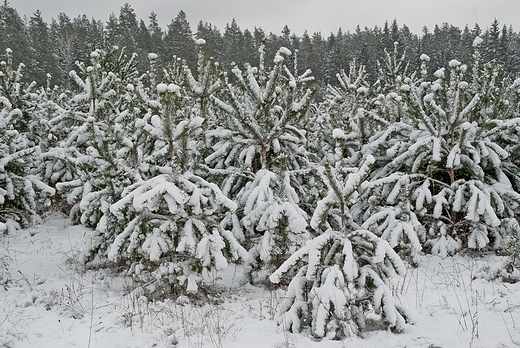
[46, 301]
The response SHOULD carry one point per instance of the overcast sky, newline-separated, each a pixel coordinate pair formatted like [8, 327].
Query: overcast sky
[323, 16]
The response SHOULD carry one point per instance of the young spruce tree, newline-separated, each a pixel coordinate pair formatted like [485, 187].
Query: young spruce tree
[260, 155]
[341, 276]
[22, 194]
[166, 221]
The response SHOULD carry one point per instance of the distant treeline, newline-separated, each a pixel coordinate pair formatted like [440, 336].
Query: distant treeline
[54, 48]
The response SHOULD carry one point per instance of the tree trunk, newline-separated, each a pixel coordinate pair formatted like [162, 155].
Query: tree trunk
[263, 155]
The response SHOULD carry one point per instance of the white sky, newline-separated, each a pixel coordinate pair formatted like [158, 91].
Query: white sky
[325, 16]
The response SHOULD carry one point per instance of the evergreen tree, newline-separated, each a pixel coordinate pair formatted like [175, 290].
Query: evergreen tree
[65, 44]
[56, 123]
[394, 32]
[386, 39]
[250, 48]
[360, 123]
[22, 194]
[127, 30]
[179, 40]
[462, 189]
[491, 45]
[260, 139]
[465, 51]
[285, 39]
[365, 48]
[332, 59]
[513, 52]
[411, 45]
[261, 107]
[209, 80]
[503, 52]
[156, 35]
[91, 117]
[90, 32]
[305, 52]
[214, 46]
[233, 45]
[341, 276]
[345, 110]
[167, 220]
[43, 59]
[13, 34]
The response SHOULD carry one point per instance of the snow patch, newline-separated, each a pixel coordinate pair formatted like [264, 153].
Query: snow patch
[454, 63]
[477, 42]
[425, 58]
[338, 133]
[162, 88]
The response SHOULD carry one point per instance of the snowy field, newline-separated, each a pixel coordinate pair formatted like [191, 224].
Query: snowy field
[47, 301]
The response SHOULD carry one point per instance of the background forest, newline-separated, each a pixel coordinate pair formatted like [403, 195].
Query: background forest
[325, 166]
[55, 47]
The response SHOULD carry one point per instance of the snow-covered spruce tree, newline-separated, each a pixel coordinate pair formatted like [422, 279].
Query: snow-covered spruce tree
[362, 118]
[22, 194]
[385, 208]
[454, 157]
[260, 116]
[167, 224]
[274, 220]
[198, 89]
[339, 277]
[345, 110]
[116, 158]
[392, 71]
[201, 87]
[96, 117]
[259, 157]
[363, 123]
[388, 108]
[52, 106]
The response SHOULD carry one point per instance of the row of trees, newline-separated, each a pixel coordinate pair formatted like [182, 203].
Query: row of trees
[198, 169]
[54, 48]
[183, 169]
